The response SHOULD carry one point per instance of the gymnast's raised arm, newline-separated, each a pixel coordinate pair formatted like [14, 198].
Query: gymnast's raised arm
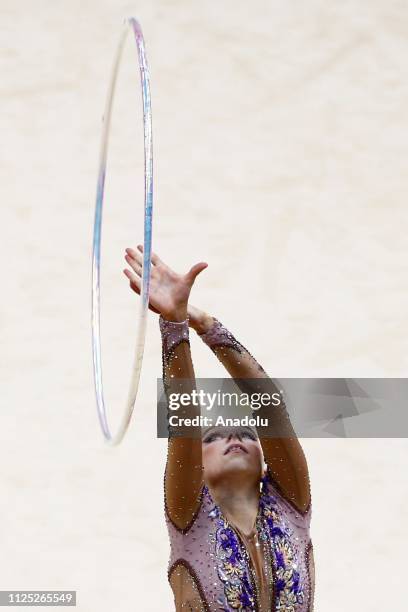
[282, 451]
[169, 293]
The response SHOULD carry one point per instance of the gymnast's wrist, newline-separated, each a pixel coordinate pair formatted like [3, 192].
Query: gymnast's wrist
[177, 315]
[202, 324]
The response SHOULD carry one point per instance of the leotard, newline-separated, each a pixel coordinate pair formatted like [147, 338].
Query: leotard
[213, 566]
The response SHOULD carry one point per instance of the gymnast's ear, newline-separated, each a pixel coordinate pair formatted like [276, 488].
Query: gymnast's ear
[195, 270]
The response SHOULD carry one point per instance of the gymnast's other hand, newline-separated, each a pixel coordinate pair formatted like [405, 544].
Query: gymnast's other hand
[169, 292]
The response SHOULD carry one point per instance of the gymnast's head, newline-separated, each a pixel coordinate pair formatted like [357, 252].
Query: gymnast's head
[231, 453]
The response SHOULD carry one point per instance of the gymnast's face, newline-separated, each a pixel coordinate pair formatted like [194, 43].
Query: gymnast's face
[231, 452]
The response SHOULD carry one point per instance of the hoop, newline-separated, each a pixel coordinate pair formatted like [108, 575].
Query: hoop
[129, 24]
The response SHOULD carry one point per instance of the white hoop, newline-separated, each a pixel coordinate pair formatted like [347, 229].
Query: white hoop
[133, 24]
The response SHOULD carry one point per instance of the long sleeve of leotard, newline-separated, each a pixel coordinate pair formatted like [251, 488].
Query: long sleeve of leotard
[183, 475]
[283, 453]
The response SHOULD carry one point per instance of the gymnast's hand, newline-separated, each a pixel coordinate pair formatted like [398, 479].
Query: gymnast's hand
[169, 292]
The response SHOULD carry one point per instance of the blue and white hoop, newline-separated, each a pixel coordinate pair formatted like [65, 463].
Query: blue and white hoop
[129, 24]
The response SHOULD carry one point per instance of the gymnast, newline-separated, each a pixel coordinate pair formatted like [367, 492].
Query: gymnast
[237, 501]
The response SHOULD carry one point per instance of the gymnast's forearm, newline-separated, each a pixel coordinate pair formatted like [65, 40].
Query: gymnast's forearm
[184, 460]
[178, 370]
[236, 359]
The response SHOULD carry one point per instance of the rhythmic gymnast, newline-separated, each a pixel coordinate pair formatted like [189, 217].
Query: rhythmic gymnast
[237, 504]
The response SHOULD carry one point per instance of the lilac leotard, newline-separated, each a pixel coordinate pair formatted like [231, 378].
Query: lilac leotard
[210, 553]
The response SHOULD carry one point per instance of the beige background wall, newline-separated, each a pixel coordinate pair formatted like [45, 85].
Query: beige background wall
[280, 135]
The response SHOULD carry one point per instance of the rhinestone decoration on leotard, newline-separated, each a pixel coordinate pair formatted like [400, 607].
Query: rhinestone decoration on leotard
[311, 574]
[232, 559]
[289, 588]
[173, 333]
[219, 336]
[232, 566]
[195, 598]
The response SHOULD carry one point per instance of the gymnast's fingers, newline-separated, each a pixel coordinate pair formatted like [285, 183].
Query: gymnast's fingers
[134, 280]
[135, 285]
[134, 255]
[134, 264]
[154, 257]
